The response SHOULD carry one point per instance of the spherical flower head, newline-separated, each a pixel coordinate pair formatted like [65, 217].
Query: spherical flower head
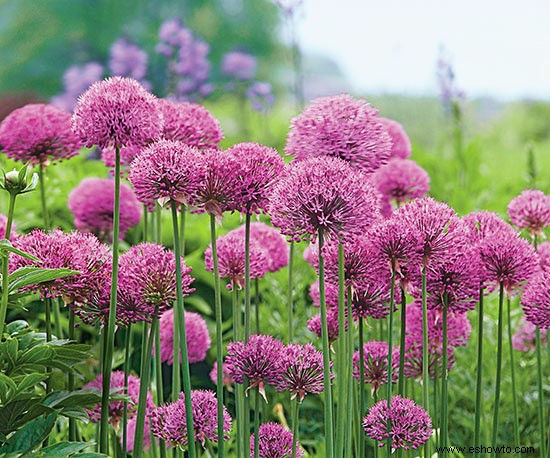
[414, 358]
[227, 378]
[4, 226]
[92, 206]
[239, 65]
[261, 167]
[543, 251]
[536, 300]
[323, 194]
[340, 126]
[116, 408]
[190, 123]
[524, 338]
[331, 294]
[167, 170]
[530, 210]
[197, 337]
[401, 145]
[147, 281]
[485, 224]
[401, 180]
[220, 188]
[371, 300]
[406, 424]
[274, 244]
[301, 371]
[127, 155]
[80, 252]
[231, 262]
[275, 441]
[507, 259]
[258, 359]
[314, 324]
[168, 421]
[118, 112]
[375, 364]
[38, 134]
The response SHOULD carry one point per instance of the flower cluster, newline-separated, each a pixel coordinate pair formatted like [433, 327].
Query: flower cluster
[275, 441]
[530, 210]
[375, 364]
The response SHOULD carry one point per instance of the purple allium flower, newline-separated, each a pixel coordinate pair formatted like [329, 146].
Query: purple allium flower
[169, 31]
[127, 59]
[116, 408]
[536, 300]
[409, 425]
[127, 155]
[507, 259]
[273, 243]
[448, 91]
[117, 112]
[331, 294]
[76, 80]
[167, 170]
[375, 367]
[239, 65]
[13, 235]
[401, 145]
[543, 251]
[371, 300]
[92, 205]
[227, 378]
[524, 339]
[220, 189]
[259, 359]
[147, 280]
[301, 371]
[530, 210]
[168, 421]
[401, 180]
[39, 134]
[485, 224]
[76, 251]
[261, 96]
[340, 126]
[314, 324]
[275, 441]
[323, 193]
[131, 434]
[190, 123]
[311, 254]
[261, 166]
[436, 225]
[414, 358]
[231, 249]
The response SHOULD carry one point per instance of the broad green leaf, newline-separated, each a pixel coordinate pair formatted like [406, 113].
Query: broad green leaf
[5, 246]
[90, 455]
[31, 435]
[78, 413]
[29, 381]
[17, 326]
[64, 449]
[80, 398]
[36, 275]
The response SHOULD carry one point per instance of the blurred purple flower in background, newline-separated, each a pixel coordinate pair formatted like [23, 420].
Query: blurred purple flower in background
[76, 80]
[261, 96]
[449, 93]
[128, 59]
[239, 65]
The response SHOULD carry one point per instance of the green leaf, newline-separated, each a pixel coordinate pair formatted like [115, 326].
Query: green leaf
[78, 413]
[80, 398]
[63, 449]
[90, 455]
[27, 276]
[5, 246]
[30, 381]
[31, 435]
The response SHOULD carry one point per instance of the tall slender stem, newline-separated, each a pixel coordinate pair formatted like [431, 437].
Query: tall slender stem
[479, 380]
[186, 377]
[512, 373]
[295, 412]
[499, 368]
[444, 379]
[290, 304]
[328, 414]
[159, 381]
[5, 267]
[361, 436]
[176, 362]
[110, 339]
[219, 336]
[127, 349]
[401, 382]
[352, 406]
[256, 422]
[247, 306]
[145, 224]
[390, 362]
[542, 427]
[257, 305]
[341, 366]
[238, 387]
[45, 215]
[425, 372]
[70, 384]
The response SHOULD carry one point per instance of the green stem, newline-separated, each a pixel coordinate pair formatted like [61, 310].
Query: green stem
[247, 305]
[342, 364]
[290, 297]
[186, 377]
[401, 382]
[257, 305]
[542, 428]
[110, 339]
[256, 422]
[361, 434]
[444, 379]
[390, 362]
[183, 211]
[479, 380]
[352, 406]
[425, 372]
[238, 391]
[512, 373]
[127, 350]
[176, 363]
[5, 267]
[219, 336]
[43, 197]
[328, 414]
[499, 368]
[48, 314]
[70, 384]
[158, 224]
[295, 412]
[160, 383]
[57, 319]
[145, 223]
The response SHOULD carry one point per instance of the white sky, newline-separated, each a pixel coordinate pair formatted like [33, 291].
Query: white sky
[498, 48]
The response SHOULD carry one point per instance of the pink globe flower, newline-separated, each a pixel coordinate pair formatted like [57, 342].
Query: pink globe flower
[273, 243]
[331, 294]
[340, 126]
[524, 338]
[190, 123]
[196, 331]
[323, 194]
[227, 378]
[118, 112]
[314, 324]
[536, 300]
[406, 424]
[484, 224]
[275, 441]
[543, 251]
[401, 145]
[92, 205]
[530, 210]
[375, 364]
[261, 166]
[38, 134]
[131, 434]
[127, 155]
[414, 358]
[168, 421]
